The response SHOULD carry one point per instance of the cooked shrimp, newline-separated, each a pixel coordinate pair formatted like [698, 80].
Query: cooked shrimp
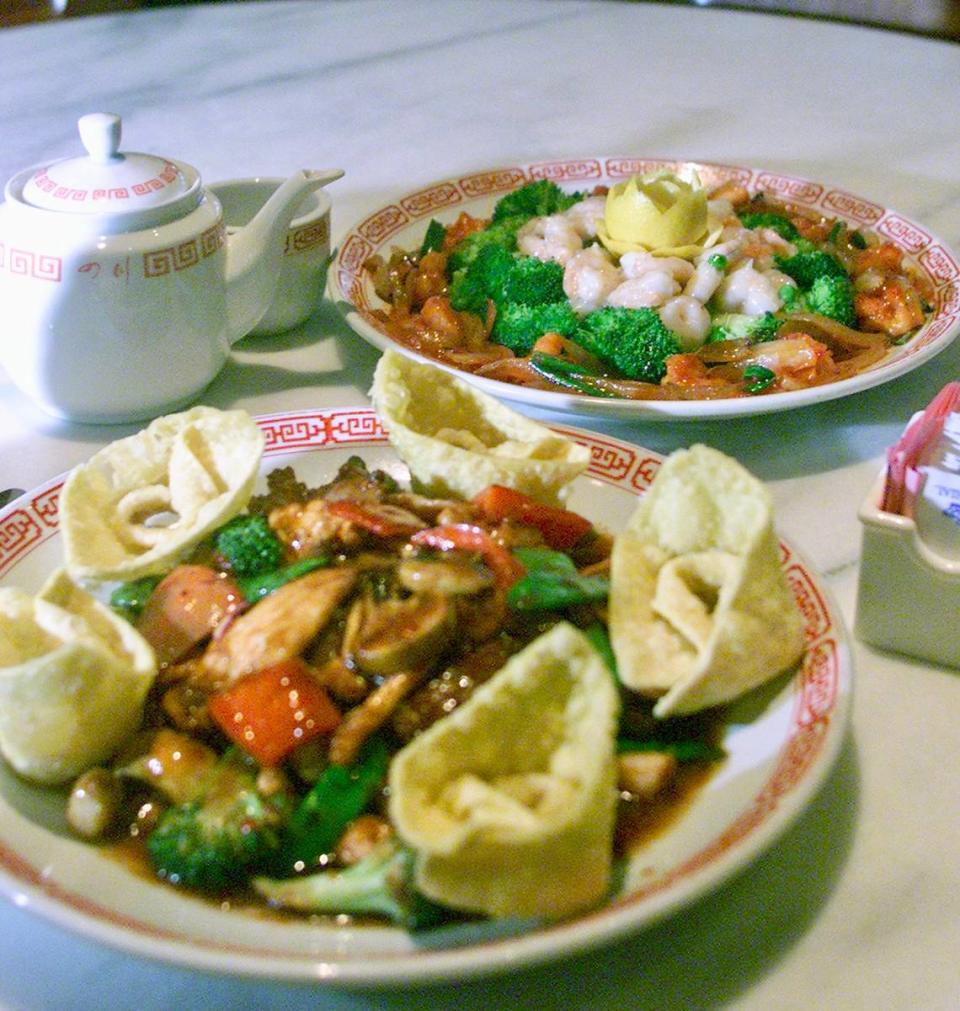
[583, 216]
[749, 291]
[549, 238]
[704, 281]
[588, 279]
[688, 319]
[652, 289]
[638, 264]
[798, 361]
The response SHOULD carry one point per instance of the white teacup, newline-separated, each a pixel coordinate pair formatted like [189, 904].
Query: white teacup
[306, 253]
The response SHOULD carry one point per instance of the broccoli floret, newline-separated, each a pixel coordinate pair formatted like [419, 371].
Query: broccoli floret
[736, 326]
[832, 297]
[534, 200]
[481, 279]
[531, 282]
[129, 599]
[766, 219]
[216, 841]
[518, 326]
[500, 233]
[249, 545]
[806, 266]
[634, 341]
[505, 278]
[381, 884]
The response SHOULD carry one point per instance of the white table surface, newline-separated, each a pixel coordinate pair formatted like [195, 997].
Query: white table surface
[858, 905]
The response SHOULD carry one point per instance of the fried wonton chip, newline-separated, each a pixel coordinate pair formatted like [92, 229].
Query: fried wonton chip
[457, 440]
[143, 502]
[700, 610]
[509, 801]
[73, 677]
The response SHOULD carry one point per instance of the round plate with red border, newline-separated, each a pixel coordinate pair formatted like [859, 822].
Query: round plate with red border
[780, 740]
[402, 223]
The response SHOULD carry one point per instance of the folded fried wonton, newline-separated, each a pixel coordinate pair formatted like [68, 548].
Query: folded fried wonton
[700, 610]
[73, 677]
[457, 440]
[509, 801]
[142, 502]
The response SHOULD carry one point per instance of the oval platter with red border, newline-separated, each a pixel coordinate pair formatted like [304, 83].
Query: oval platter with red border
[403, 221]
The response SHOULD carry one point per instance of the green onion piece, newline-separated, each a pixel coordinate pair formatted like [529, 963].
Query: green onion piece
[692, 750]
[339, 795]
[600, 641]
[718, 261]
[553, 583]
[858, 240]
[434, 238]
[835, 232]
[129, 599]
[266, 582]
[759, 378]
[564, 373]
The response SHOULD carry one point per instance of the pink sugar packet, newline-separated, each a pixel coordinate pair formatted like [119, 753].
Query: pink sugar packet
[904, 478]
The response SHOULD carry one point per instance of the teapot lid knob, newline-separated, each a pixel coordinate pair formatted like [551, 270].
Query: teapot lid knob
[100, 133]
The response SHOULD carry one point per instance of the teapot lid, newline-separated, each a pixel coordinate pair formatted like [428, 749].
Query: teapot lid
[106, 181]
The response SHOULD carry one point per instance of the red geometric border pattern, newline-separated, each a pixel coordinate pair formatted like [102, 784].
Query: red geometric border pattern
[31, 263]
[307, 237]
[23, 527]
[160, 262]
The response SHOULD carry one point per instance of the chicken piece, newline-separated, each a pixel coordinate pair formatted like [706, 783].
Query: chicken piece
[307, 528]
[366, 718]
[279, 627]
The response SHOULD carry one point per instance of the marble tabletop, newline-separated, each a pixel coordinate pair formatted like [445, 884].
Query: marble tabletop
[857, 905]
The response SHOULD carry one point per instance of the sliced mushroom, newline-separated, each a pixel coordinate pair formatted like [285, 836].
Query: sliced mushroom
[644, 774]
[444, 576]
[173, 763]
[394, 635]
[279, 627]
[94, 803]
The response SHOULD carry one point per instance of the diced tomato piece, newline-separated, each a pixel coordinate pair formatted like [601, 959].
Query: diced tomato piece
[382, 520]
[561, 528]
[275, 710]
[186, 606]
[505, 567]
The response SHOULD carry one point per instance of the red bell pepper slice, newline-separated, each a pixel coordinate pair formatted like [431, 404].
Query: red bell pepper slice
[382, 520]
[273, 711]
[561, 528]
[505, 567]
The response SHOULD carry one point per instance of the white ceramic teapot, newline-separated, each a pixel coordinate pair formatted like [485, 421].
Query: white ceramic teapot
[121, 292]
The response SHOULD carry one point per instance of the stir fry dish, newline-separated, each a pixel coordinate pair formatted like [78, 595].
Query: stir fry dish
[366, 700]
[652, 289]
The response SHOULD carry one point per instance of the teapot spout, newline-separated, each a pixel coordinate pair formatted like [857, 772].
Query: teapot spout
[254, 252]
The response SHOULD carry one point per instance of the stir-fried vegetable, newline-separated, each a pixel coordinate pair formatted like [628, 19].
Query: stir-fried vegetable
[301, 646]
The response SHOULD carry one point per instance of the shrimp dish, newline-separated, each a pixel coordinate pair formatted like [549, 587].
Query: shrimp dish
[653, 289]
